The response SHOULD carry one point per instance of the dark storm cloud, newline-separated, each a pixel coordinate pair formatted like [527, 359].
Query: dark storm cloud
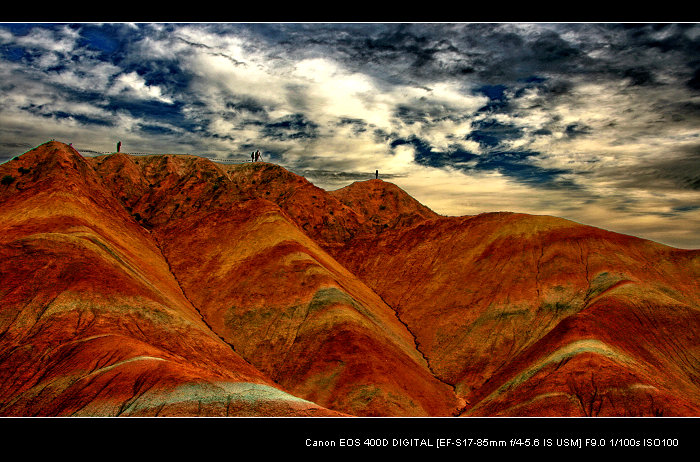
[497, 98]
[499, 54]
[686, 208]
[79, 118]
[247, 105]
[425, 113]
[149, 110]
[358, 126]
[293, 127]
[639, 52]
[516, 165]
[638, 76]
[394, 53]
[662, 36]
[694, 82]
[550, 53]
[492, 133]
[679, 172]
[574, 130]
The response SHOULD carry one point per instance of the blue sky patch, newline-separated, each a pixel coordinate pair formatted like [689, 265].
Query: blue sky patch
[99, 39]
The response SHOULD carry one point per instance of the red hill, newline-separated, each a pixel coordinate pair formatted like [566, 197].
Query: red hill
[383, 204]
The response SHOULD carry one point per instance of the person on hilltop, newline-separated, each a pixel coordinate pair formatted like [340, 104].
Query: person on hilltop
[119, 146]
[258, 156]
[376, 174]
[252, 156]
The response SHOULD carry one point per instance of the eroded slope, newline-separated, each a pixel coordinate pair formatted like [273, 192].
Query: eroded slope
[92, 322]
[270, 290]
[530, 315]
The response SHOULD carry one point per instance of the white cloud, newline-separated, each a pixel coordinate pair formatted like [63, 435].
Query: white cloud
[85, 76]
[62, 40]
[135, 86]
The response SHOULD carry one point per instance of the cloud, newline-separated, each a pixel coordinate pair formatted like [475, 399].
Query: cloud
[134, 86]
[677, 173]
[594, 122]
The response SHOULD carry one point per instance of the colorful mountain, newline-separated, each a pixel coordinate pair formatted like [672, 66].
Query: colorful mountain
[174, 285]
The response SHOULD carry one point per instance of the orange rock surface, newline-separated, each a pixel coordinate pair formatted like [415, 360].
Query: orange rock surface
[173, 285]
[521, 313]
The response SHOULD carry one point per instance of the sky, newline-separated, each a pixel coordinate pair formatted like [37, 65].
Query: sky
[598, 123]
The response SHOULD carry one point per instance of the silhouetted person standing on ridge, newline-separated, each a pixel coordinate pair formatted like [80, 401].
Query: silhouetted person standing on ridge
[376, 174]
[119, 146]
[252, 156]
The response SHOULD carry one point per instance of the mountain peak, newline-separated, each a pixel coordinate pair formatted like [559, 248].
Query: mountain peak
[54, 153]
[384, 204]
[45, 165]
